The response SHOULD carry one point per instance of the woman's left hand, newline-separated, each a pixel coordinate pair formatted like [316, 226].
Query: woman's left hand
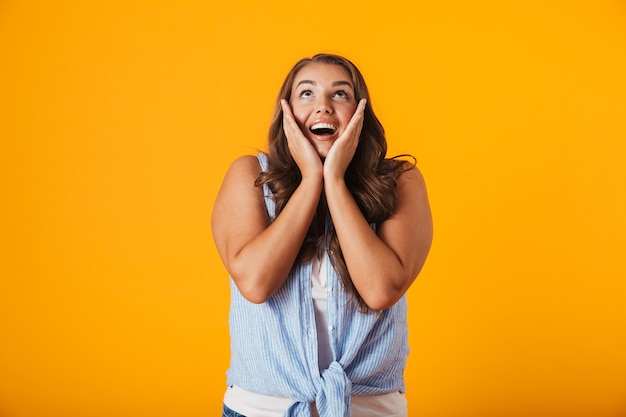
[342, 151]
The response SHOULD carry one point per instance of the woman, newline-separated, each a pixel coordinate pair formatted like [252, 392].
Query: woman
[322, 237]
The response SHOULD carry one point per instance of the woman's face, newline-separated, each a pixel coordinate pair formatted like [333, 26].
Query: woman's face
[322, 102]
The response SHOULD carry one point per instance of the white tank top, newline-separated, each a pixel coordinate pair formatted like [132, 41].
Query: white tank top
[319, 292]
[252, 404]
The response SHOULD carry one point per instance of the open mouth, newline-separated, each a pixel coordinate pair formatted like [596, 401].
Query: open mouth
[323, 129]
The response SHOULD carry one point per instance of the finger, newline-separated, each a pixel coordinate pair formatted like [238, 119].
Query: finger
[360, 109]
[287, 118]
[289, 122]
[285, 106]
[362, 104]
[287, 114]
[357, 117]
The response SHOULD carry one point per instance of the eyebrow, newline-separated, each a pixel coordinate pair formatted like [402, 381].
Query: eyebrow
[335, 84]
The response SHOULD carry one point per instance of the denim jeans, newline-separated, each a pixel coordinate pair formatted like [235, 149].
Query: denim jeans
[227, 412]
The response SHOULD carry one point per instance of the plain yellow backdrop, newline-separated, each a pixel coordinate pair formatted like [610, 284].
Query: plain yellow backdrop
[119, 118]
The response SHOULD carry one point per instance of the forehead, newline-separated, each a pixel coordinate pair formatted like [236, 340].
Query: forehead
[322, 74]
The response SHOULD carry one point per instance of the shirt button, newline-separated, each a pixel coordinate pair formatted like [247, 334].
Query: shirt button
[330, 289]
[330, 252]
[331, 328]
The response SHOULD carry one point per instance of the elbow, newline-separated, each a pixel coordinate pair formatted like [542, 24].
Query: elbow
[252, 289]
[379, 303]
[387, 291]
[391, 289]
[378, 299]
[254, 297]
[253, 294]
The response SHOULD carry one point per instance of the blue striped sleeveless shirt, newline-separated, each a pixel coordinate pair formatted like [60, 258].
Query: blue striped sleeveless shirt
[274, 344]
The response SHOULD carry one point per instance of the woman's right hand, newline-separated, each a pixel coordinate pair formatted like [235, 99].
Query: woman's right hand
[302, 152]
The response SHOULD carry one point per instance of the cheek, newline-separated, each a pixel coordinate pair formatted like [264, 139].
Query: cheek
[347, 116]
[300, 116]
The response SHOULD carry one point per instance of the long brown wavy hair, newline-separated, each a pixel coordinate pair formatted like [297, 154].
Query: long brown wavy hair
[370, 177]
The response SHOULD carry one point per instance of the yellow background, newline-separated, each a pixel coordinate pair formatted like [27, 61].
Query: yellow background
[118, 120]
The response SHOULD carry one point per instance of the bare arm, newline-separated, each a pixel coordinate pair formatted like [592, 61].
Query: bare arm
[259, 255]
[383, 265]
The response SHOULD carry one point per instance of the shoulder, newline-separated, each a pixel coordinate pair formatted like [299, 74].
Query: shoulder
[244, 169]
[409, 175]
[246, 164]
[240, 178]
[411, 192]
[238, 188]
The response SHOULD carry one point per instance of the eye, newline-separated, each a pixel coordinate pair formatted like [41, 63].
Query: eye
[341, 94]
[305, 94]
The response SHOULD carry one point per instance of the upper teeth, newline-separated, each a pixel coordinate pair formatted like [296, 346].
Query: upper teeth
[322, 126]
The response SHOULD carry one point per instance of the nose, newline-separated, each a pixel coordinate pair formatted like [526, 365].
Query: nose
[323, 106]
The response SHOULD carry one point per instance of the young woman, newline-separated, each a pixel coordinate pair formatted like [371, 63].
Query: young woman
[322, 237]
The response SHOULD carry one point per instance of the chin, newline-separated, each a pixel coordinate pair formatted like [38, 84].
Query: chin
[323, 150]
[322, 153]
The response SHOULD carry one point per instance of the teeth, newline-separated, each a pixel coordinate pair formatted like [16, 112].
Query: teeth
[323, 126]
